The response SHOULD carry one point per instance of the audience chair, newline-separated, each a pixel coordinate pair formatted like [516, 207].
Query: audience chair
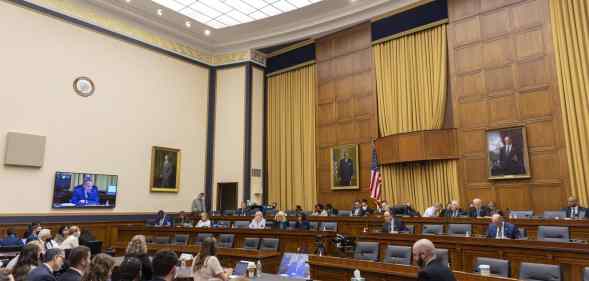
[498, 266]
[553, 233]
[398, 255]
[201, 237]
[586, 274]
[269, 223]
[443, 255]
[241, 224]
[313, 225]
[161, 240]
[307, 213]
[181, 239]
[459, 229]
[522, 214]
[269, 244]
[344, 213]
[549, 215]
[432, 229]
[410, 229]
[329, 226]
[366, 251]
[539, 272]
[224, 224]
[228, 212]
[251, 243]
[270, 212]
[5, 249]
[523, 233]
[226, 240]
[291, 213]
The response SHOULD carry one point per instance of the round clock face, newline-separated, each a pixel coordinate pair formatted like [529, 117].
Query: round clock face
[84, 86]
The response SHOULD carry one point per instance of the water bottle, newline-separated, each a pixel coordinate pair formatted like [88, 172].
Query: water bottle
[259, 269]
[467, 234]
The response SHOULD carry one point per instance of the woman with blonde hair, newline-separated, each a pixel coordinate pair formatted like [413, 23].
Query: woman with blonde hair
[100, 268]
[137, 248]
[281, 221]
[46, 239]
[204, 220]
[72, 239]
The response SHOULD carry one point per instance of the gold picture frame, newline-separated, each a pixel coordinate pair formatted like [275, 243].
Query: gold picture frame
[507, 153]
[164, 175]
[344, 168]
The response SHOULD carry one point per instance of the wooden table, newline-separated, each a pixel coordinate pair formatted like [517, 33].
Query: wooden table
[463, 251]
[337, 269]
[228, 257]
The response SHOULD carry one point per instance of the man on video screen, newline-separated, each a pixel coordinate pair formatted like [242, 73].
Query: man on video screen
[86, 193]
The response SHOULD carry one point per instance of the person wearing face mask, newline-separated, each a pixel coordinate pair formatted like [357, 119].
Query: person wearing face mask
[79, 261]
[430, 268]
[53, 262]
[365, 209]
[573, 210]
[72, 239]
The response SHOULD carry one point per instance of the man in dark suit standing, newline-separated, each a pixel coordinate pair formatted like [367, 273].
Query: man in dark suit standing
[52, 262]
[478, 210]
[345, 170]
[392, 224]
[573, 210]
[500, 229]
[79, 260]
[430, 267]
[511, 158]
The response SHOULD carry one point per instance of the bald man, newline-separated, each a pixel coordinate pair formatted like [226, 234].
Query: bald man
[430, 267]
[573, 210]
[478, 210]
[500, 229]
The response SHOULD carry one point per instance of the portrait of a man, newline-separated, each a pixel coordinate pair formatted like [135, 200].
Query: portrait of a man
[165, 170]
[507, 153]
[344, 167]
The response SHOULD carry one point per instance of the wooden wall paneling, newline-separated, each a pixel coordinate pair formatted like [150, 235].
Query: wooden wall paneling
[502, 74]
[345, 81]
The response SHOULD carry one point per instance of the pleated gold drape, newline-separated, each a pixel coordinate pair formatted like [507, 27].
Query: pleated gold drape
[411, 75]
[570, 29]
[291, 138]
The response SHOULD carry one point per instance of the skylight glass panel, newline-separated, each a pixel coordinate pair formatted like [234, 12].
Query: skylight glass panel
[223, 13]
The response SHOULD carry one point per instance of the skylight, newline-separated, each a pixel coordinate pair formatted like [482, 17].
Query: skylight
[225, 13]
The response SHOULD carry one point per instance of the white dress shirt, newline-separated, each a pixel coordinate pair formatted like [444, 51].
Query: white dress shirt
[430, 212]
[70, 242]
[202, 223]
[258, 225]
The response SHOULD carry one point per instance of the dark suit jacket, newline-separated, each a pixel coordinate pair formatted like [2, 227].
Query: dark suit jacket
[166, 222]
[359, 210]
[41, 273]
[511, 163]
[509, 231]
[398, 226]
[450, 213]
[79, 194]
[70, 275]
[146, 267]
[302, 225]
[11, 240]
[483, 212]
[435, 271]
[582, 212]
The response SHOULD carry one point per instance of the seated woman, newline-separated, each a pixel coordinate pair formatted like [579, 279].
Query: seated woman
[62, 233]
[45, 238]
[281, 221]
[204, 220]
[72, 239]
[302, 222]
[206, 265]
[137, 248]
[258, 222]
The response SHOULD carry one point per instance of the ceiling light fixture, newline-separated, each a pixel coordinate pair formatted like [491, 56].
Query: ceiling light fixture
[128, 1]
[207, 32]
[188, 24]
[160, 12]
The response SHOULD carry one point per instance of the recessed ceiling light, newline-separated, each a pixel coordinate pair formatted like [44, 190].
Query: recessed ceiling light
[128, 1]
[207, 32]
[160, 12]
[188, 24]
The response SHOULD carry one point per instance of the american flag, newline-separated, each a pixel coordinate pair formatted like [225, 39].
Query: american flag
[375, 180]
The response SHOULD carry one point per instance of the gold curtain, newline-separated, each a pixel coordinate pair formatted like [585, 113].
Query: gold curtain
[411, 75]
[570, 29]
[291, 138]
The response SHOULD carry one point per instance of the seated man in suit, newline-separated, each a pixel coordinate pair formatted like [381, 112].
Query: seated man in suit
[11, 239]
[573, 210]
[356, 209]
[162, 219]
[365, 210]
[392, 224]
[79, 261]
[478, 210]
[430, 268]
[182, 220]
[86, 193]
[500, 229]
[243, 209]
[454, 210]
[52, 262]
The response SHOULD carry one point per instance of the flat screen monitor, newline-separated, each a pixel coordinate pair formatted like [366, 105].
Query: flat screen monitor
[84, 190]
[240, 268]
[294, 265]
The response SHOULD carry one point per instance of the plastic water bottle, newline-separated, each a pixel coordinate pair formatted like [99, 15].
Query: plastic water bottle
[259, 269]
[467, 234]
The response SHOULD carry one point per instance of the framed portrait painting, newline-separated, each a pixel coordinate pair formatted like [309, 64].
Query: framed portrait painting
[165, 169]
[507, 153]
[344, 167]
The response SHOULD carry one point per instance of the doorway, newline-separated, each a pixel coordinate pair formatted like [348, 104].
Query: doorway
[227, 196]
